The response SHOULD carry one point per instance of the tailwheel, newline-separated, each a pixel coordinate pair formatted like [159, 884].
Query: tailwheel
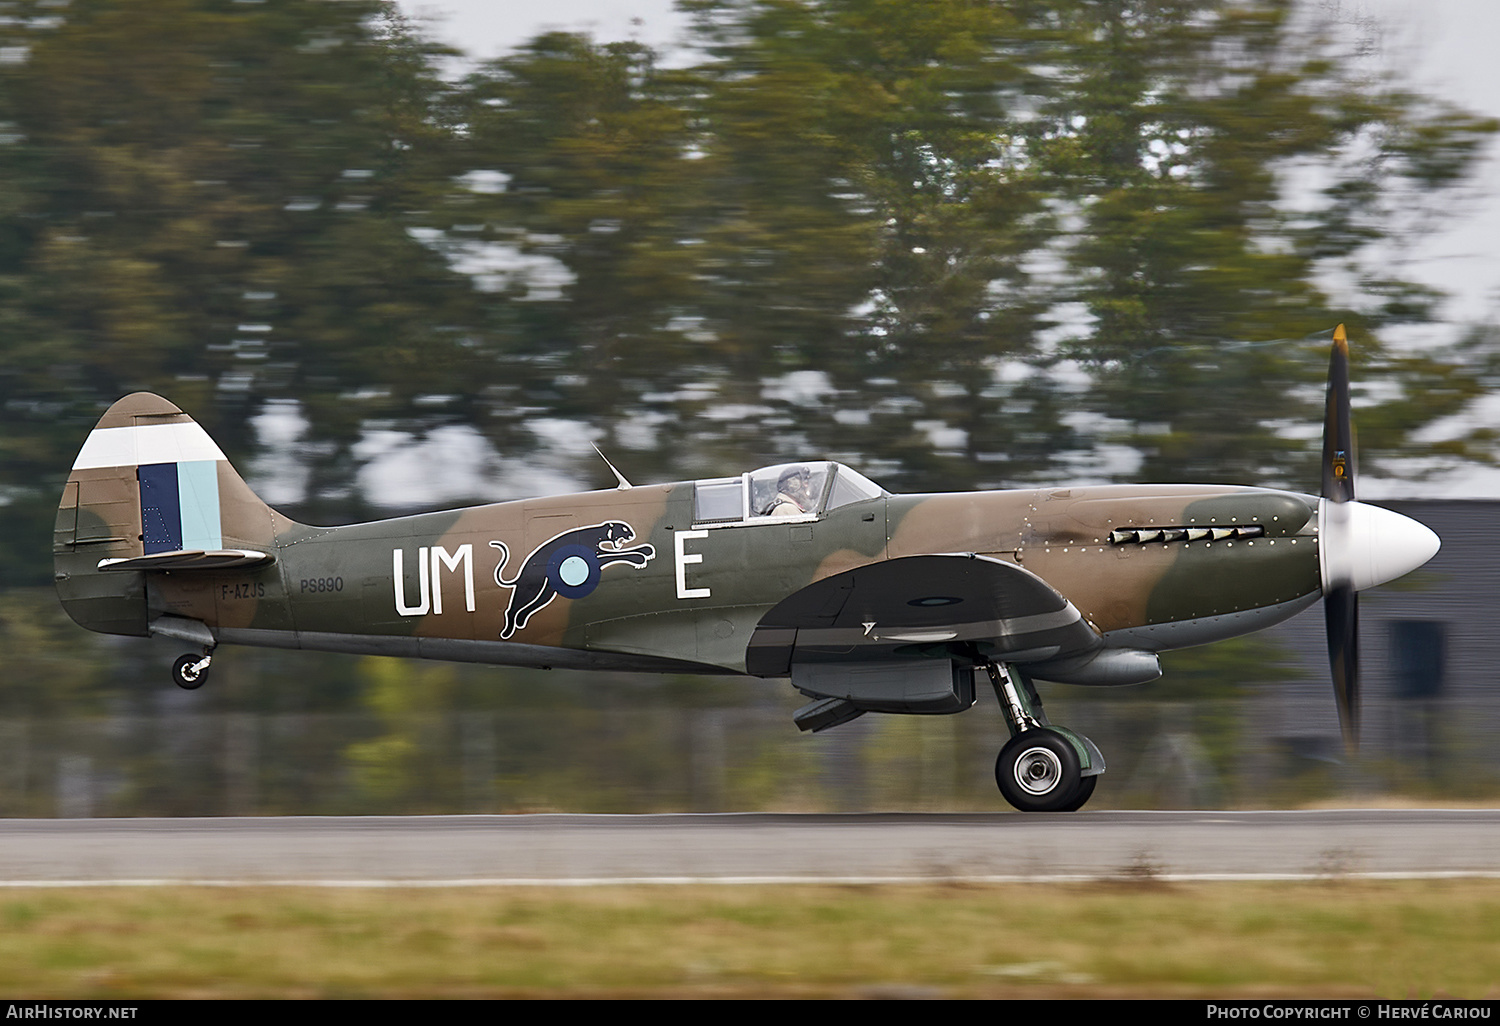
[1038, 771]
[190, 671]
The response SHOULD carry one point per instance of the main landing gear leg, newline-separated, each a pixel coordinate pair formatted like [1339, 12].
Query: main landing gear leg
[1042, 768]
[190, 671]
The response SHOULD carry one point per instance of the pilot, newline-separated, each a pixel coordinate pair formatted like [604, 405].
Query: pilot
[793, 493]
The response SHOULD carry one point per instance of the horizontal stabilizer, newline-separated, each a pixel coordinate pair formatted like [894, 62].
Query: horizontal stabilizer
[192, 560]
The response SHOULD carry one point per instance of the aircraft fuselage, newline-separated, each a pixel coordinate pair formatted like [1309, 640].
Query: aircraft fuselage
[689, 595]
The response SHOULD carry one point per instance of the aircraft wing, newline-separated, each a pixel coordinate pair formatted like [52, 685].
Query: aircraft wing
[921, 606]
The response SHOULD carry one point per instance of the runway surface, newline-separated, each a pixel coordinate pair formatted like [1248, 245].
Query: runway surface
[749, 848]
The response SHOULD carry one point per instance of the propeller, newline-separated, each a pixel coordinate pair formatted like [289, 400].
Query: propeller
[1336, 542]
[1359, 545]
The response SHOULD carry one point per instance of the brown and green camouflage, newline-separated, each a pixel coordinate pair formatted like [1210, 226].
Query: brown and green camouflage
[1046, 578]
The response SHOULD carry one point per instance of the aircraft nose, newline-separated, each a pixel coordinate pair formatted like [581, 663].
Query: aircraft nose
[1366, 545]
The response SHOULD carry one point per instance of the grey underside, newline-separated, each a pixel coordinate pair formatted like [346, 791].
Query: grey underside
[1203, 630]
[505, 653]
[500, 653]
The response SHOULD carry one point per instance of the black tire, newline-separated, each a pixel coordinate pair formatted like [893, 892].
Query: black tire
[183, 674]
[1038, 771]
[1084, 793]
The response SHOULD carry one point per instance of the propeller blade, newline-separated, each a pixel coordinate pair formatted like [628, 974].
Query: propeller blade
[1338, 434]
[1340, 601]
[1341, 615]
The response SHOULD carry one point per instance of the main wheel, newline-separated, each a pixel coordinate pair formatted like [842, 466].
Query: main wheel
[1038, 771]
[185, 672]
[1085, 792]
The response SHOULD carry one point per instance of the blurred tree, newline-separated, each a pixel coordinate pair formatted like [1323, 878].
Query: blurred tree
[581, 201]
[397, 768]
[48, 669]
[857, 228]
[811, 243]
[849, 230]
[1222, 164]
[883, 215]
[218, 201]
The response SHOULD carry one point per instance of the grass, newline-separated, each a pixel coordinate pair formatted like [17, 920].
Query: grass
[1141, 938]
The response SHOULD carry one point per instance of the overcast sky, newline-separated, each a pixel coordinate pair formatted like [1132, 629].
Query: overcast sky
[1448, 48]
[485, 28]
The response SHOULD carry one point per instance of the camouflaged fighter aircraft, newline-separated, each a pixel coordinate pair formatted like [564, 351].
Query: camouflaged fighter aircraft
[868, 601]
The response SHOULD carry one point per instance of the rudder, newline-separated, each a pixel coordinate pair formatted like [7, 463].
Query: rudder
[149, 491]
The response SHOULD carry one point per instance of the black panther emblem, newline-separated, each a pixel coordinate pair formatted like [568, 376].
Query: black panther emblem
[568, 565]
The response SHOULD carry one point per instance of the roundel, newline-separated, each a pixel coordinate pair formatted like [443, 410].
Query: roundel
[574, 570]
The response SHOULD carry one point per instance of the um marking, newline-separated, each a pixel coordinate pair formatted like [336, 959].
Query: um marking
[429, 588]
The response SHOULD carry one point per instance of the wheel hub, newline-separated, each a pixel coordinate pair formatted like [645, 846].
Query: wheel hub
[1038, 771]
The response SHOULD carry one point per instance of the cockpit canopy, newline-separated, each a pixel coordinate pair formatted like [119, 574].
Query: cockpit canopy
[788, 490]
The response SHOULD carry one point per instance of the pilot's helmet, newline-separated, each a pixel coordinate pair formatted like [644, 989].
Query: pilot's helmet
[795, 481]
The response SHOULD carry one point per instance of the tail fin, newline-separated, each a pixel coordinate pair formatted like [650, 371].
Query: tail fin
[150, 491]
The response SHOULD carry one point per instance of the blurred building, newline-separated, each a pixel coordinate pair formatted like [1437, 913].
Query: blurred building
[1429, 645]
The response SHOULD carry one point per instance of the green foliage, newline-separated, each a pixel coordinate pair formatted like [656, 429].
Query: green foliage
[48, 670]
[1187, 126]
[864, 228]
[588, 141]
[387, 770]
[1184, 131]
[214, 201]
[899, 123]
